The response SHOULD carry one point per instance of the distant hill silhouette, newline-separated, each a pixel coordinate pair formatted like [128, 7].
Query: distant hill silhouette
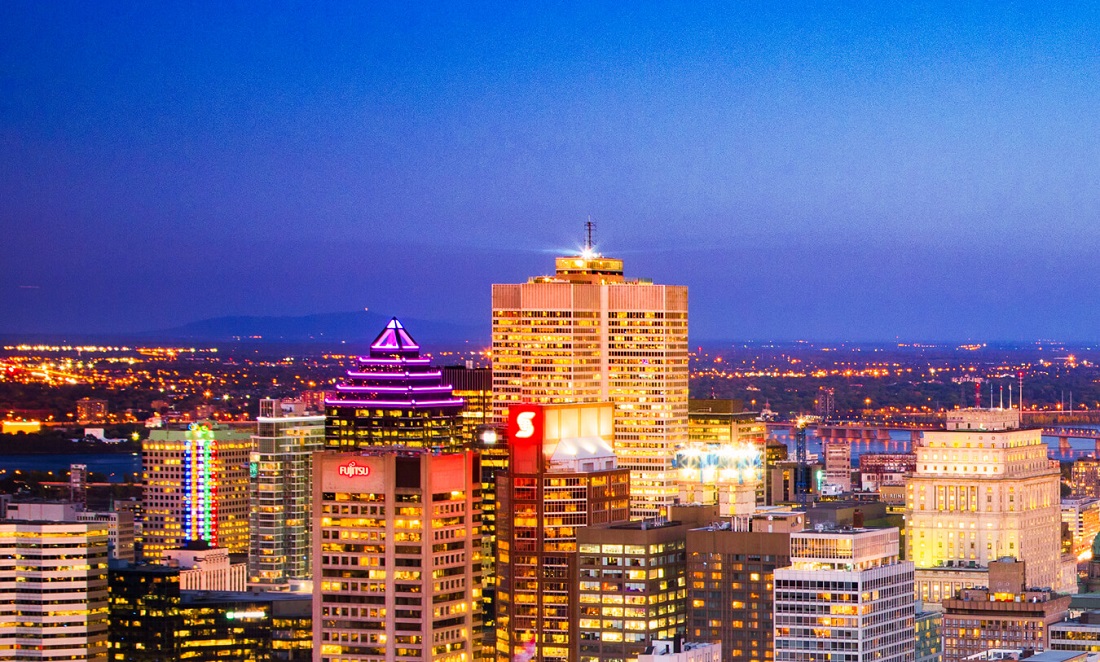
[351, 327]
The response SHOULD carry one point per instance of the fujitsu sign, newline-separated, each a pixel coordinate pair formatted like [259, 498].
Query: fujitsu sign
[353, 469]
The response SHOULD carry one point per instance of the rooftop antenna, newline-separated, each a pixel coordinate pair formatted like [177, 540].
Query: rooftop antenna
[1020, 395]
[1010, 395]
[589, 229]
[1002, 396]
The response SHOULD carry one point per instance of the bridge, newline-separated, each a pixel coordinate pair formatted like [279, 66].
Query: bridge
[857, 432]
[1065, 433]
[860, 432]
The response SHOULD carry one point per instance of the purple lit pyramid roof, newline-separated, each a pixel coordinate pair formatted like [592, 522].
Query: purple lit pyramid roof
[395, 376]
[394, 339]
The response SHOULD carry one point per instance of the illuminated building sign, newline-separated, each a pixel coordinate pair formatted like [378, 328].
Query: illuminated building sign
[245, 615]
[353, 469]
[525, 437]
[726, 463]
[525, 428]
[200, 484]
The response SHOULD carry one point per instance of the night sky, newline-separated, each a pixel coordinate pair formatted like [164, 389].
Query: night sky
[809, 170]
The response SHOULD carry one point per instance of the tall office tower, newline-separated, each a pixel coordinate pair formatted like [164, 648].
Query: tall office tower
[730, 574]
[53, 591]
[637, 567]
[561, 476]
[196, 488]
[475, 387]
[1086, 477]
[144, 612]
[396, 549]
[983, 489]
[1004, 615]
[845, 596]
[394, 397]
[494, 459]
[588, 335]
[281, 511]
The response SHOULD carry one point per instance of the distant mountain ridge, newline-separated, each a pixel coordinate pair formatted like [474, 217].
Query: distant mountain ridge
[352, 327]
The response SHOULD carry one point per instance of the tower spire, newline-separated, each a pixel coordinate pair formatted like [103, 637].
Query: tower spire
[589, 229]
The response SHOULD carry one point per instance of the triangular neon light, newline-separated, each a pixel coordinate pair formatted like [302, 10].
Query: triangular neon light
[394, 337]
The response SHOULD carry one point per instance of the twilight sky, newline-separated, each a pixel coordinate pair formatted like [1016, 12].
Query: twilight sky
[809, 170]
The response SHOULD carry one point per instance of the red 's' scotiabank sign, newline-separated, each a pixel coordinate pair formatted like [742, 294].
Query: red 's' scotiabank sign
[353, 469]
[525, 430]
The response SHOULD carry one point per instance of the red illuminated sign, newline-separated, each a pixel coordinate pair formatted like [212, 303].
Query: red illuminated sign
[353, 469]
[525, 423]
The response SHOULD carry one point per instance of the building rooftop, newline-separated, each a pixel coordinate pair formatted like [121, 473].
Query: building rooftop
[203, 597]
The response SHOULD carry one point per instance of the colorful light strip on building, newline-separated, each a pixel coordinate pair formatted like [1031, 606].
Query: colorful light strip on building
[201, 485]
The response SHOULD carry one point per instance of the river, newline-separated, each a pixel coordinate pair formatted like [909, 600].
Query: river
[116, 466]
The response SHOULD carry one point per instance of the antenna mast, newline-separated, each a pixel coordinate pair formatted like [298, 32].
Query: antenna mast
[589, 229]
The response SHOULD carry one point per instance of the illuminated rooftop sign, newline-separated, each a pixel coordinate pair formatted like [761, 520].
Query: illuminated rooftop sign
[353, 469]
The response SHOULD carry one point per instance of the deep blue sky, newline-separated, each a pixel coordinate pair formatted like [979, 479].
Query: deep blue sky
[809, 170]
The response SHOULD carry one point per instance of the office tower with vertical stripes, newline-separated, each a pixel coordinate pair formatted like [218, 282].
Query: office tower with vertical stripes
[587, 334]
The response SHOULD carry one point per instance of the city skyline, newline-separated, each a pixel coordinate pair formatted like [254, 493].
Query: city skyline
[829, 172]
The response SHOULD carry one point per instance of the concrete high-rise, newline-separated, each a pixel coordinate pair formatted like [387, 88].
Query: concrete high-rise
[196, 488]
[53, 591]
[845, 596]
[396, 548]
[639, 565]
[394, 397]
[561, 477]
[586, 335]
[983, 489]
[281, 512]
[731, 573]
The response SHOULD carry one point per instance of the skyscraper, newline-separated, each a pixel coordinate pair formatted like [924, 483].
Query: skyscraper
[394, 397]
[845, 596]
[396, 551]
[561, 477]
[585, 335]
[53, 591]
[983, 489]
[281, 512]
[730, 577]
[639, 565]
[196, 488]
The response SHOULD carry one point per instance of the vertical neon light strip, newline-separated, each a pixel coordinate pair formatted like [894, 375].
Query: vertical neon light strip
[200, 497]
[188, 490]
[212, 493]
